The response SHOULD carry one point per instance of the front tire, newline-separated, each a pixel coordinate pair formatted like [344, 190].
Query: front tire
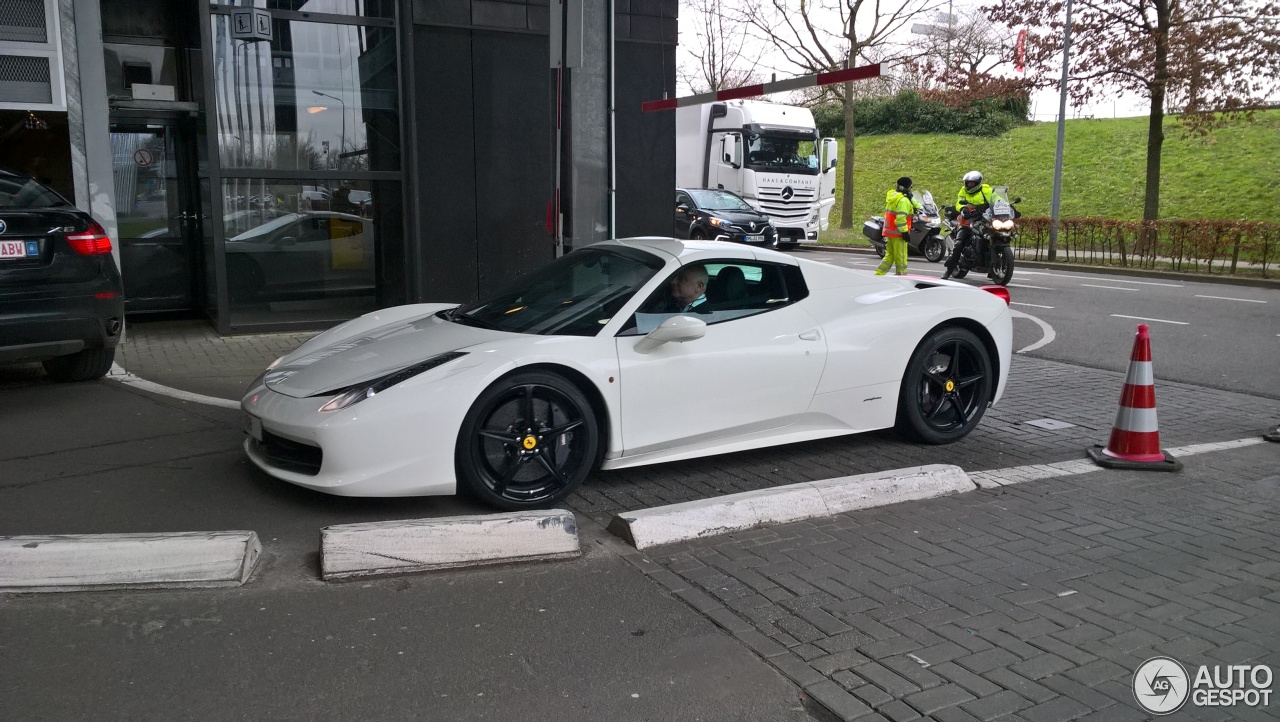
[528, 442]
[87, 365]
[933, 249]
[697, 234]
[1002, 271]
[946, 388]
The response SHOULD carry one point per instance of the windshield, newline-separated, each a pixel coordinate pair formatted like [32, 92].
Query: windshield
[1000, 207]
[19, 192]
[783, 154]
[927, 203]
[574, 295]
[719, 201]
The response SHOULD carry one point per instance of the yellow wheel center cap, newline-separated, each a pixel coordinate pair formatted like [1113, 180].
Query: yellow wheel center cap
[529, 443]
[951, 386]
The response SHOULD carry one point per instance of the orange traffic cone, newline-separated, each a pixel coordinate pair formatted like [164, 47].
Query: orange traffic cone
[1135, 436]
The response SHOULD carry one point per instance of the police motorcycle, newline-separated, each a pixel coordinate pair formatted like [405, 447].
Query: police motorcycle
[992, 230]
[925, 237]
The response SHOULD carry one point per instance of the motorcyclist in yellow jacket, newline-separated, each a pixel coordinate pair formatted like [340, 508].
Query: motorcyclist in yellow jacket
[973, 193]
[899, 211]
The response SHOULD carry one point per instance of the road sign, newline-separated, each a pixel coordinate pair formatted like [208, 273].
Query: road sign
[251, 24]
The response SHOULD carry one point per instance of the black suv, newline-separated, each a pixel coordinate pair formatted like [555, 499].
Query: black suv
[706, 213]
[61, 302]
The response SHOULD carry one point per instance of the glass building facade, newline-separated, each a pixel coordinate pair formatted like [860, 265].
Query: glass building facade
[347, 155]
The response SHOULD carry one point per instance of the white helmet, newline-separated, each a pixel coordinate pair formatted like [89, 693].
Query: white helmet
[974, 177]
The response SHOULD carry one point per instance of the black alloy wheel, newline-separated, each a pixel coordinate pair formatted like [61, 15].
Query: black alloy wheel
[697, 235]
[528, 442]
[947, 386]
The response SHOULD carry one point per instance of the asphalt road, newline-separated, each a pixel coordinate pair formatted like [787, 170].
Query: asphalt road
[1208, 334]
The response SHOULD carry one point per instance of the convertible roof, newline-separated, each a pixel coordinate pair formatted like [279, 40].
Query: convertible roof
[687, 251]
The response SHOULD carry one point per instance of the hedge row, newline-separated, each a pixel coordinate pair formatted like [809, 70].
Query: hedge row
[1194, 246]
[908, 112]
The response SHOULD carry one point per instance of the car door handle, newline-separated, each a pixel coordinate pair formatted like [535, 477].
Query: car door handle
[810, 335]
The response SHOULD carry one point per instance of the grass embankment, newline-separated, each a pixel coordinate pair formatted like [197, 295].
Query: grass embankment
[1232, 175]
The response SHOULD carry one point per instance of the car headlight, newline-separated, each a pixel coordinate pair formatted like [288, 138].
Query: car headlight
[717, 222]
[355, 394]
[1002, 225]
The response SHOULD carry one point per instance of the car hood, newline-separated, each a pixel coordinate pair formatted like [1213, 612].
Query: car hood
[373, 354]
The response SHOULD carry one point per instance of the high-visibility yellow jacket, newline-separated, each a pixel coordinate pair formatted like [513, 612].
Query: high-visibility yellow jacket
[981, 196]
[898, 212]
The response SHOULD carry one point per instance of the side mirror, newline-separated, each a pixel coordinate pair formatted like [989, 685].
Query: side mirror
[830, 153]
[1016, 200]
[677, 328]
[682, 208]
[286, 240]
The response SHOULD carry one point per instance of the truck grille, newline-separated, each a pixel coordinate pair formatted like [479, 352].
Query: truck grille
[797, 209]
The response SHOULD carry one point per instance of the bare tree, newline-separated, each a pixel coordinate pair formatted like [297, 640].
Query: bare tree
[820, 36]
[723, 54]
[1206, 56]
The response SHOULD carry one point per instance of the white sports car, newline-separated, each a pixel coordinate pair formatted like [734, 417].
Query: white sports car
[597, 361]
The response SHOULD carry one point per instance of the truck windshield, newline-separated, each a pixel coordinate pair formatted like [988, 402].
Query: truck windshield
[782, 154]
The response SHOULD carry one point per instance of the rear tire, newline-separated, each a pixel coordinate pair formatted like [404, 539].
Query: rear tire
[87, 365]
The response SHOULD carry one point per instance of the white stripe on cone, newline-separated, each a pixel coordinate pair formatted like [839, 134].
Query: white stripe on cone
[1140, 374]
[1136, 420]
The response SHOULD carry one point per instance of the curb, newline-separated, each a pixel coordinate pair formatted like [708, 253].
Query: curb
[94, 562]
[646, 528]
[416, 545]
[1103, 270]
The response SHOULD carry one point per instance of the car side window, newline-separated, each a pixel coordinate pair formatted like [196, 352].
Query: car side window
[682, 197]
[734, 289]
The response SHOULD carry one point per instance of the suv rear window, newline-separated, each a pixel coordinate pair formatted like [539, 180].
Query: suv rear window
[18, 192]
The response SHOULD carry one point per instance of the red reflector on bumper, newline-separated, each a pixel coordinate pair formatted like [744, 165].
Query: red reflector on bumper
[106, 294]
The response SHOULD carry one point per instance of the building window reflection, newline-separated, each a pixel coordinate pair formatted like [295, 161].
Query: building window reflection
[305, 250]
[318, 97]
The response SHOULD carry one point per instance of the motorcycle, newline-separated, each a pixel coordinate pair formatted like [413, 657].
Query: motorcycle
[992, 232]
[925, 237]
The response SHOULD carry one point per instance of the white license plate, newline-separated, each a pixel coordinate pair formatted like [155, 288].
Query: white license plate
[13, 249]
[755, 239]
[253, 426]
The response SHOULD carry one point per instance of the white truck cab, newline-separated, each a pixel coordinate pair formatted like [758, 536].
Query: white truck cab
[767, 153]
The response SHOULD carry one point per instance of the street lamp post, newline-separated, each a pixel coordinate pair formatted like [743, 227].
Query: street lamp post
[342, 139]
[1062, 131]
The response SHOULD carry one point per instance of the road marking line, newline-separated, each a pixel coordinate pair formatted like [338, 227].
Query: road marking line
[1113, 288]
[1033, 305]
[1147, 283]
[119, 375]
[1027, 285]
[1228, 298]
[1049, 333]
[1094, 277]
[1013, 475]
[1144, 318]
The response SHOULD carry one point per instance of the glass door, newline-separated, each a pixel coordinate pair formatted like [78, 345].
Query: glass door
[158, 214]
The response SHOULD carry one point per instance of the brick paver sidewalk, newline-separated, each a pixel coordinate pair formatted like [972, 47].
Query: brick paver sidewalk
[1036, 601]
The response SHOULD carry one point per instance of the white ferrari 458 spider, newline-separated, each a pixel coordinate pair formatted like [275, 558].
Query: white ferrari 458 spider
[624, 353]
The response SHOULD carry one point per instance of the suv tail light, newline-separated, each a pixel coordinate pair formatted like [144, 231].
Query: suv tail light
[92, 242]
[1000, 291]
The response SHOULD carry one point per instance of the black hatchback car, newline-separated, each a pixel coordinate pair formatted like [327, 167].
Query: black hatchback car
[707, 213]
[61, 301]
